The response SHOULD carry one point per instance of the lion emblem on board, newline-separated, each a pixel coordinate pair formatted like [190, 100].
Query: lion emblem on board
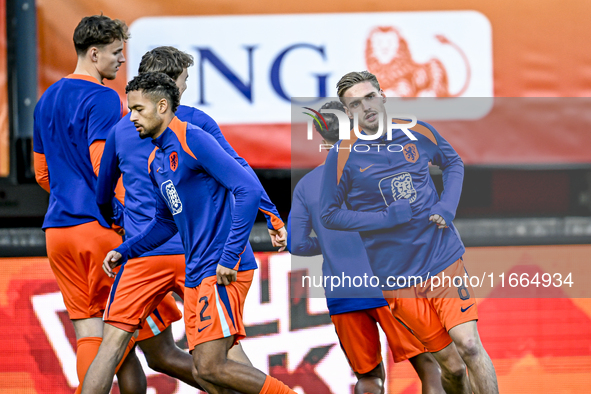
[388, 57]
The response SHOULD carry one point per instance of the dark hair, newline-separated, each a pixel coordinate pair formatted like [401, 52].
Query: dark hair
[98, 30]
[157, 86]
[332, 133]
[167, 60]
[353, 78]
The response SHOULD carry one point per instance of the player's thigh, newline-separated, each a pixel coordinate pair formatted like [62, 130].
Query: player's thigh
[454, 302]
[214, 311]
[360, 339]
[98, 242]
[139, 287]
[403, 344]
[421, 319]
[162, 317]
[76, 254]
[69, 271]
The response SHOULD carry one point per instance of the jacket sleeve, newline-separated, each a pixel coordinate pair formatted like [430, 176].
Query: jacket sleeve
[39, 159]
[41, 170]
[332, 197]
[299, 223]
[452, 168]
[246, 190]
[109, 174]
[160, 230]
[210, 126]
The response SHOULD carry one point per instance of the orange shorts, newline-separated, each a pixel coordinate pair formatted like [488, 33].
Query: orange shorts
[431, 313]
[214, 311]
[166, 313]
[140, 286]
[76, 256]
[360, 339]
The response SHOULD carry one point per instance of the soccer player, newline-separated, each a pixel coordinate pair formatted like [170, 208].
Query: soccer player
[356, 316]
[407, 229]
[71, 122]
[206, 196]
[146, 279]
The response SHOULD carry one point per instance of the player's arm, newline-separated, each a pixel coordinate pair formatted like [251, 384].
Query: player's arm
[452, 167]
[274, 222]
[105, 112]
[41, 170]
[247, 193]
[299, 241]
[160, 230]
[332, 197]
[108, 176]
[39, 161]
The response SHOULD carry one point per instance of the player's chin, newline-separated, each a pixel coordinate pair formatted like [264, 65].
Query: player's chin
[111, 76]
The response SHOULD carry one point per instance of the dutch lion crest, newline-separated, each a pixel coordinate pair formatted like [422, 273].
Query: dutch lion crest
[397, 187]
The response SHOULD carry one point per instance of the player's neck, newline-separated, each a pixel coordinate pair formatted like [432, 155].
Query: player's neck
[83, 67]
[166, 122]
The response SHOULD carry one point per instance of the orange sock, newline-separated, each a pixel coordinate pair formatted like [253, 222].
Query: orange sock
[274, 386]
[127, 350]
[87, 349]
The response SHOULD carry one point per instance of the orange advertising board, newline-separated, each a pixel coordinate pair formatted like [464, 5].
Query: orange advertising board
[536, 345]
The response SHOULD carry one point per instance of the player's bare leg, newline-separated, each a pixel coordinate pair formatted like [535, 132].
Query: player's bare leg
[480, 367]
[164, 356]
[371, 382]
[214, 367]
[89, 333]
[453, 371]
[429, 373]
[99, 377]
[131, 377]
[92, 327]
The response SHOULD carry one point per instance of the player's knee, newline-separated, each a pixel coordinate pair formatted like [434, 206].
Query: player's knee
[454, 372]
[158, 364]
[209, 371]
[195, 374]
[469, 348]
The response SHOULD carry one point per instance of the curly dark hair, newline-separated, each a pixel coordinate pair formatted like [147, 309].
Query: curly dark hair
[332, 134]
[98, 30]
[167, 60]
[157, 86]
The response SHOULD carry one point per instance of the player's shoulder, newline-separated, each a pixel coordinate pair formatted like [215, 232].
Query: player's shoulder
[197, 134]
[195, 116]
[192, 139]
[311, 179]
[426, 130]
[124, 129]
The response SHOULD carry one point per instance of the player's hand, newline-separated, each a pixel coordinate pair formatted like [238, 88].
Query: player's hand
[110, 262]
[279, 238]
[438, 220]
[118, 229]
[225, 275]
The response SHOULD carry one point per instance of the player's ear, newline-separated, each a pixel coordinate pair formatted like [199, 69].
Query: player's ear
[383, 95]
[93, 53]
[349, 114]
[162, 105]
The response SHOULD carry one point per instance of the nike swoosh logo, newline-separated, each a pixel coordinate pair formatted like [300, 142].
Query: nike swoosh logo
[158, 170]
[464, 310]
[201, 329]
[363, 169]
